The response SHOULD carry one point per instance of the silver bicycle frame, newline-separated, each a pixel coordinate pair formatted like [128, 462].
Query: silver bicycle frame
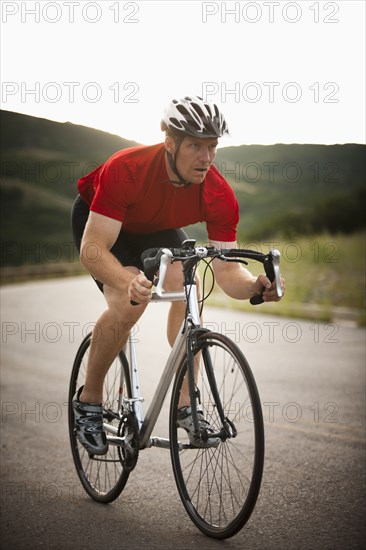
[176, 355]
[146, 424]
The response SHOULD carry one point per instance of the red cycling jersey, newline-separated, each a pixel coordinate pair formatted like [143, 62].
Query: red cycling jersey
[132, 187]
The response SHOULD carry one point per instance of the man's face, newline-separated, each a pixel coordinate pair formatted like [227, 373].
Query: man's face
[195, 157]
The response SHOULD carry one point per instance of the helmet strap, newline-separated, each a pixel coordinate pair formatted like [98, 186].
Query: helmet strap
[172, 163]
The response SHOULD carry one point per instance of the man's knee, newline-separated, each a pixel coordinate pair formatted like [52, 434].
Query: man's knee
[121, 308]
[174, 278]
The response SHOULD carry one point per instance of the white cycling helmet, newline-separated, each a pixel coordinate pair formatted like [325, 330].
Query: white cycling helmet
[191, 116]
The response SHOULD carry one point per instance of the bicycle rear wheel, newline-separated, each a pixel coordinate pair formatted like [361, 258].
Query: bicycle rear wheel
[103, 477]
[219, 485]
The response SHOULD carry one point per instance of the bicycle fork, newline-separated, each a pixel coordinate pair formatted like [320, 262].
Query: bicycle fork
[228, 429]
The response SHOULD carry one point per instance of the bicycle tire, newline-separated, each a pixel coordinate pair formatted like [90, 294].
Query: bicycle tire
[219, 486]
[102, 477]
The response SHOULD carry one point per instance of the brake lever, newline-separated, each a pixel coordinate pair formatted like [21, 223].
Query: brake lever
[165, 260]
[151, 265]
[272, 269]
[276, 268]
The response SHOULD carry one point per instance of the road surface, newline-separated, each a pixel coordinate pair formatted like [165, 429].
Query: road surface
[311, 379]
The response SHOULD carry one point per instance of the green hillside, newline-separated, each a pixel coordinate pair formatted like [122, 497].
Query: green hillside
[41, 162]
[283, 190]
[289, 190]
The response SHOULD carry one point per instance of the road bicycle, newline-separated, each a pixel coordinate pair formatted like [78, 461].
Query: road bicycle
[218, 482]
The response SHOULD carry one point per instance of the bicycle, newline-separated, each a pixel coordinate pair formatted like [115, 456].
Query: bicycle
[218, 484]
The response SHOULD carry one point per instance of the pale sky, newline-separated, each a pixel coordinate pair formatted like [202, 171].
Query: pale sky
[281, 71]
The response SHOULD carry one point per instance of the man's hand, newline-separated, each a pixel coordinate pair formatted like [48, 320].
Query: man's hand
[269, 293]
[139, 289]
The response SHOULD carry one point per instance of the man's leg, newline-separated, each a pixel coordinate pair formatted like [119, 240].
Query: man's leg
[109, 336]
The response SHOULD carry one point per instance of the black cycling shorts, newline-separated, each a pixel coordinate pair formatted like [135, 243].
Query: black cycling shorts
[128, 246]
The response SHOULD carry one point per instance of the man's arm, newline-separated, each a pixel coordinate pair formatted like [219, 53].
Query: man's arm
[237, 282]
[100, 234]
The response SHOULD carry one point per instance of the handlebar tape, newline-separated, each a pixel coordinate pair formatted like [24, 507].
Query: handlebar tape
[150, 260]
[268, 267]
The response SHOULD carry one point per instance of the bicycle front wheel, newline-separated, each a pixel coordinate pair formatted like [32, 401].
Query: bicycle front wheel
[103, 477]
[219, 485]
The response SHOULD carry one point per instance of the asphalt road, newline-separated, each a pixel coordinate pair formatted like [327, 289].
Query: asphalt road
[311, 379]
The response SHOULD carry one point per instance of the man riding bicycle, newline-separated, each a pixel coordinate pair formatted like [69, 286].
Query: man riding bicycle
[141, 197]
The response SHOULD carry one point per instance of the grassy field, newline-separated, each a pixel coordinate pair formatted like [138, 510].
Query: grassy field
[325, 278]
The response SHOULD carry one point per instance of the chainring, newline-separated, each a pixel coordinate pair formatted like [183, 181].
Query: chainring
[128, 453]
